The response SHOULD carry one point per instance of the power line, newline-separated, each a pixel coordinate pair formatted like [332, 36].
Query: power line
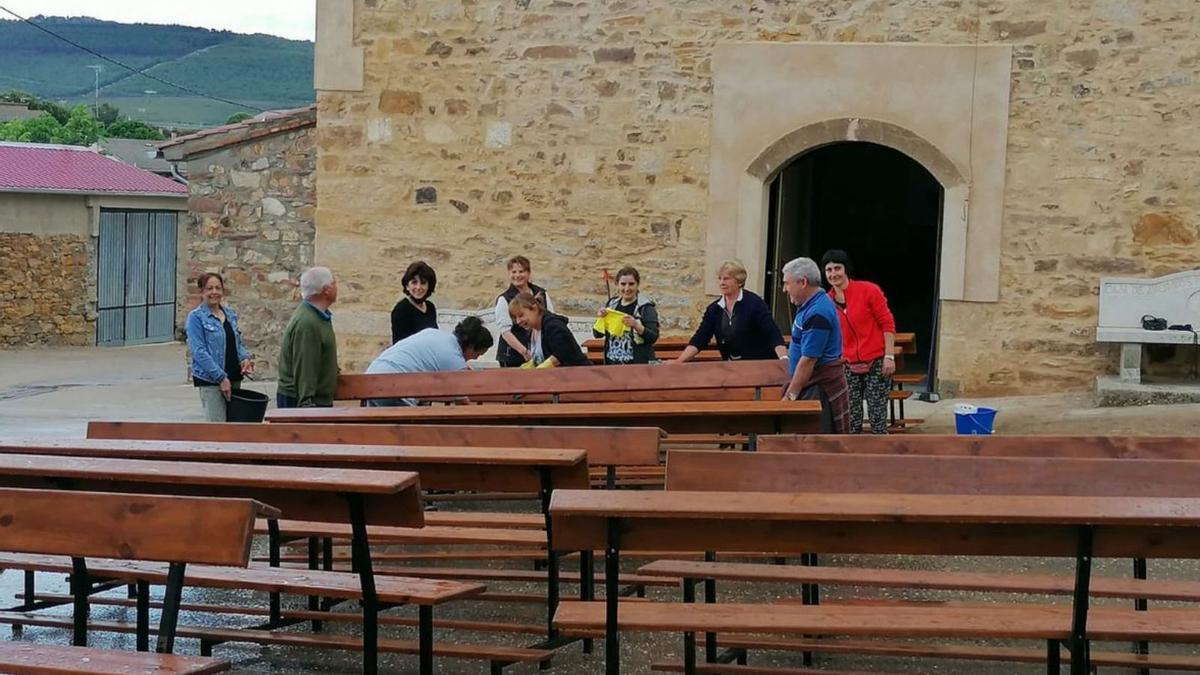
[136, 71]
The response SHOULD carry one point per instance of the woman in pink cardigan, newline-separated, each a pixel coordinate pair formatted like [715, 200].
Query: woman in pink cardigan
[868, 340]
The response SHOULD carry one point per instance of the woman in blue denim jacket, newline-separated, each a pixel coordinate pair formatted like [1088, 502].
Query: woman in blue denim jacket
[219, 357]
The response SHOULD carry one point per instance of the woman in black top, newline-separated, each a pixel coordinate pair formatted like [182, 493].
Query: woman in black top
[636, 343]
[414, 313]
[739, 319]
[550, 337]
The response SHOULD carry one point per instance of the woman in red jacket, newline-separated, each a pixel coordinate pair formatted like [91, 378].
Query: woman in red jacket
[868, 341]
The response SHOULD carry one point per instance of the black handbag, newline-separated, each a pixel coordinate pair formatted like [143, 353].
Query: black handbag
[1153, 323]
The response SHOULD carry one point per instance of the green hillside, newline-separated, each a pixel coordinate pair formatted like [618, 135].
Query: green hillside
[258, 70]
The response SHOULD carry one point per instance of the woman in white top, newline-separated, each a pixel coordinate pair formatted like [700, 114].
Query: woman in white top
[513, 349]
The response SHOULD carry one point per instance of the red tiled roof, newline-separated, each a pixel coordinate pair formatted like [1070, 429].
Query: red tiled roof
[64, 168]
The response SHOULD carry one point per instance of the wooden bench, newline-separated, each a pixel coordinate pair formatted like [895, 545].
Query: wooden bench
[608, 448]
[360, 497]
[25, 658]
[1123, 303]
[511, 470]
[930, 474]
[1074, 527]
[749, 417]
[172, 530]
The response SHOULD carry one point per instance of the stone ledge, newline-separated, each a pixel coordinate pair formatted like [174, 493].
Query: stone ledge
[1111, 392]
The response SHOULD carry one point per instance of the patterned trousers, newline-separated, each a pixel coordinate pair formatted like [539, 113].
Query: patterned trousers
[872, 387]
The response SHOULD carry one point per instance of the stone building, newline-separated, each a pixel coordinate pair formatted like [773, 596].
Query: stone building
[87, 248]
[985, 161]
[250, 201]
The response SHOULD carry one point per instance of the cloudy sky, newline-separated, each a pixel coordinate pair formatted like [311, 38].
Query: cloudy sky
[287, 18]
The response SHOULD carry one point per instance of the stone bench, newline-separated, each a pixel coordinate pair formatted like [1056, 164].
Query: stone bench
[1123, 303]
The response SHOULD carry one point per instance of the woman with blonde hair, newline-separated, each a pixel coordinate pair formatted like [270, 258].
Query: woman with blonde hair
[739, 319]
[550, 337]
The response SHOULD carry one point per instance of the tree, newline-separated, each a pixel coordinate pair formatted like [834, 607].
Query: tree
[81, 128]
[108, 114]
[238, 117]
[42, 129]
[129, 128]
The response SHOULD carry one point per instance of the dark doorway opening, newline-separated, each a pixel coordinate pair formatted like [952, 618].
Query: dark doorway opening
[880, 206]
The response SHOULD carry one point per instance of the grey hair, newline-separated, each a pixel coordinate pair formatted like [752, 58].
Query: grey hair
[314, 280]
[803, 268]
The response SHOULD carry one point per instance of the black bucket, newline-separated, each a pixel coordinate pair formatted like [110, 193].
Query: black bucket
[246, 405]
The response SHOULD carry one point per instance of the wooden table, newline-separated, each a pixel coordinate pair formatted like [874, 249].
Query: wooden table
[481, 469]
[1079, 527]
[701, 417]
[360, 497]
[605, 446]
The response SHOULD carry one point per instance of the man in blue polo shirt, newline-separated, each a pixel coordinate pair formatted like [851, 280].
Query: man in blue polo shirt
[815, 355]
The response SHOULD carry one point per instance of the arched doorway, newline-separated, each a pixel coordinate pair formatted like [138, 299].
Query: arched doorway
[882, 207]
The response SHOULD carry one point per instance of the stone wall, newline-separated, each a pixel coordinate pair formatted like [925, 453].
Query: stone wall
[251, 220]
[577, 133]
[44, 290]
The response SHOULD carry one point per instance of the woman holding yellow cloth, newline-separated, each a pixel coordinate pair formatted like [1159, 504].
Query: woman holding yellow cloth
[628, 323]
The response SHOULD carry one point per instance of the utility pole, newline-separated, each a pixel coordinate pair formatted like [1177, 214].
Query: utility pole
[96, 68]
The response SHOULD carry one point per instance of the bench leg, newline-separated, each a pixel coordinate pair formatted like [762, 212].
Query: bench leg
[30, 594]
[314, 601]
[689, 637]
[80, 587]
[1140, 605]
[170, 609]
[274, 541]
[1131, 362]
[1053, 658]
[425, 638]
[1080, 658]
[547, 486]
[360, 553]
[142, 593]
[612, 593]
[710, 596]
[587, 586]
[610, 477]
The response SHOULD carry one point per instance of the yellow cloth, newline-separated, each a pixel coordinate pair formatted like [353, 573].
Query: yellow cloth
[611, 323]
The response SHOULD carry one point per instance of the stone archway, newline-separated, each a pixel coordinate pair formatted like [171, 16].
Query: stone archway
[946, 106]
[770, 161]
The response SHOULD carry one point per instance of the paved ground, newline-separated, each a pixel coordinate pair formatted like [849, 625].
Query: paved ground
[55, 392]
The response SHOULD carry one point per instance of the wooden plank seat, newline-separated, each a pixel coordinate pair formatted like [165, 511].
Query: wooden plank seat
[498, 655]
[1078, 527]
[749, 417]
[1083, 446]
[607, 447]
[390, 589]
[958, 651]
[361, 497]
[905, 341]
[737, 669]
[323, 615]
[412, 535]
[27, 658]
[578, 383]
[173, 532]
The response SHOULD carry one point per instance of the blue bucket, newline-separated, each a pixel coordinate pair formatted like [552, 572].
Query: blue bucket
[976, 422]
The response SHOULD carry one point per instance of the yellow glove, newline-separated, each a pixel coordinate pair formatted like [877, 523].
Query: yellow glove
[528, 365]
[549, 363]
[611, 323]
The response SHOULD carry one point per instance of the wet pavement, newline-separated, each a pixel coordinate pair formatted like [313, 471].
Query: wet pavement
[53, 393]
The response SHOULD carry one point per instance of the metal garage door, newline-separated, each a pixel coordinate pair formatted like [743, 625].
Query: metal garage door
[136, 277]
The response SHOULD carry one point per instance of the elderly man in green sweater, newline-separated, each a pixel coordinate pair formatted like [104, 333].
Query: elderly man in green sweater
[308, 364]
